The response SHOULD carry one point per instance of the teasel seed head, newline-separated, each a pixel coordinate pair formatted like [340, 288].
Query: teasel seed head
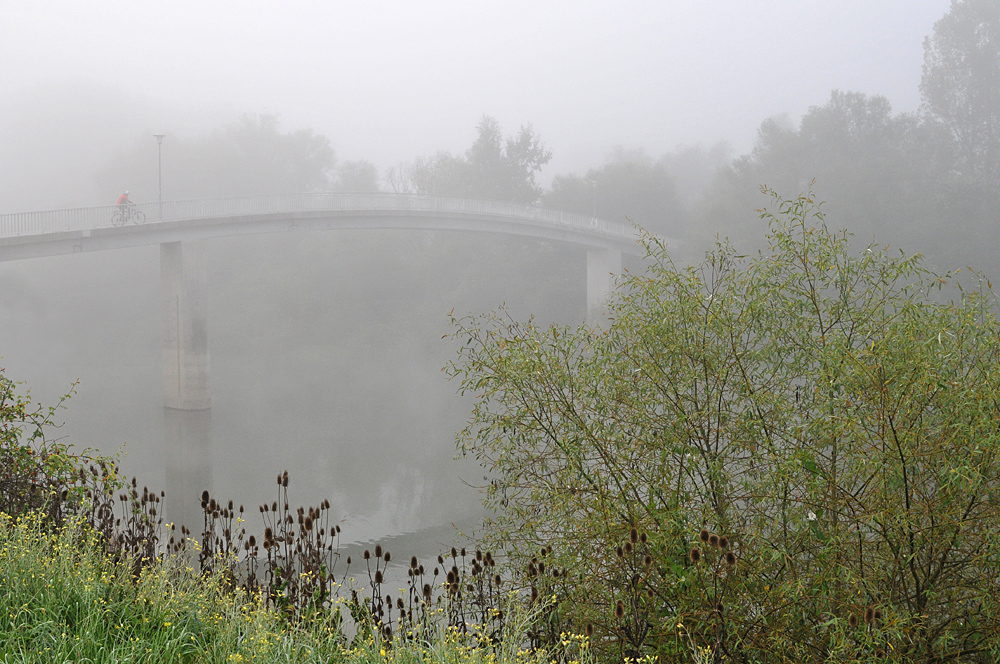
[695, 555]
[378, 550]
[648, 560]
[633, 536]
[643, 538]
[628, 547]
[852, 620]
[387, 556]
[619, 552]
[723, 542]
[413, 562]
[619, 610]
[589, 630]
[869, 615]
[730, 558]
[378, 576]
[703, 535]
[713, 539]
[367, 554]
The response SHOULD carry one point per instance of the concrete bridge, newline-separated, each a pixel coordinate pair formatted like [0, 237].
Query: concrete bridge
[179, 227]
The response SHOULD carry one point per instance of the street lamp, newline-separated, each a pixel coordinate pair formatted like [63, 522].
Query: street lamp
[159, 171]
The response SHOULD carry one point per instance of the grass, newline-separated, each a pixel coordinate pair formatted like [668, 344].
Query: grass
[64, 599]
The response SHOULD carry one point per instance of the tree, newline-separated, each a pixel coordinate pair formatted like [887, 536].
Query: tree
[961, 85]
[880, 173]
[493, 167]
[786, 457]
[249, 156]
[358, 177]
[630, 186]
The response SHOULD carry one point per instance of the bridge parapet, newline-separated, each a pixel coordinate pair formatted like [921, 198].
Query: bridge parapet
[78, 219]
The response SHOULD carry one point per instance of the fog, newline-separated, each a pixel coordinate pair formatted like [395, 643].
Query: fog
[326, 347]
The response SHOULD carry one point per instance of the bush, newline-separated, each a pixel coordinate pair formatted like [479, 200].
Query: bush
[784, 457]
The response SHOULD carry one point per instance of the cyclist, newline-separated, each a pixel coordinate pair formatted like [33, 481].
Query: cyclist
[126, 211]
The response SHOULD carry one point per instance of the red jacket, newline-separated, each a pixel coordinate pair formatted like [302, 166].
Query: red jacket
[123, 199]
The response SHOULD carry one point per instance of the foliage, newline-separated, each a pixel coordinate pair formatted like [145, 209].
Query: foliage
[929, 180]
[39, 474]
[357, 177]
[960, 86]
[784, 457]
[879, 171]
[493, 167]
[85, 574]
[64, 599]
[249, 156]
[629, 186]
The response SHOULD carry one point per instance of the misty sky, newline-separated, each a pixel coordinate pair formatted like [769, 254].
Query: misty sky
[388, 81]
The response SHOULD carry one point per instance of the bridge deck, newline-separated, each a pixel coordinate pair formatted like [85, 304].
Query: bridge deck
[53, 232]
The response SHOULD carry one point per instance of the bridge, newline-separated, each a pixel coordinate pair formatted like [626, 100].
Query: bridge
[180, 227]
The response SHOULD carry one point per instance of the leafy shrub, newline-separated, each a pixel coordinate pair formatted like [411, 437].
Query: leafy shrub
[829, 416]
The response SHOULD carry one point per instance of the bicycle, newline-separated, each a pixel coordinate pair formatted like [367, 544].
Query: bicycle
[128, 213]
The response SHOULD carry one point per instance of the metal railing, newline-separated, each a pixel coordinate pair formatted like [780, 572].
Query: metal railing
[78, 219]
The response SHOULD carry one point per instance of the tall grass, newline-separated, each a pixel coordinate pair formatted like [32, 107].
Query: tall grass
[63, 598]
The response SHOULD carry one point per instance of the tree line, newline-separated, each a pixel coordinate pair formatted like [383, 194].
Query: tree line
[928, 179]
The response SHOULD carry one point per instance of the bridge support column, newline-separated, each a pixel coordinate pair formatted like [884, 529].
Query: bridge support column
[186, 396]
[602, 266]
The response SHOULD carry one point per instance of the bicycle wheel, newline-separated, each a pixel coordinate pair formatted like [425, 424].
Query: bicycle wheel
[118, 217]
[138, 217]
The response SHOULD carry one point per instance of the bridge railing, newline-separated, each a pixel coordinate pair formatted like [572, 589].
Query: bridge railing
[76, 219]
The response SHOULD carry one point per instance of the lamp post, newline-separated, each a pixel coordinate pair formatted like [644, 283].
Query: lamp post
[159, 171]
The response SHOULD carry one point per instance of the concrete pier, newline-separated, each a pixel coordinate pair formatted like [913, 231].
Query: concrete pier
[187, 397]
[603, 265]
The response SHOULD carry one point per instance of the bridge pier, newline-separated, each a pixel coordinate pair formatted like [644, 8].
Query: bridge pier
[187, 400]
[602, 267]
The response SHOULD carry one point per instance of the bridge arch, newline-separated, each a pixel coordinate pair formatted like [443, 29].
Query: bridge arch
[179, 227]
